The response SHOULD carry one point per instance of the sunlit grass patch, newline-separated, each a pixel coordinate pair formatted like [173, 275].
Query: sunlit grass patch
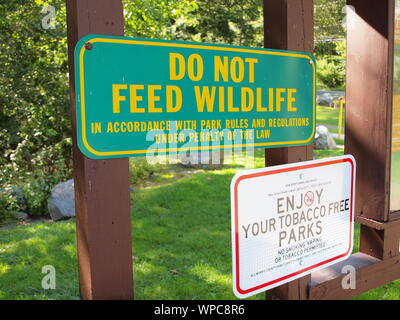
[25, 249]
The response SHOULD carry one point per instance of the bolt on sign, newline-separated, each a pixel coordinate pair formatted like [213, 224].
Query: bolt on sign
[137, 97]
[290, 220]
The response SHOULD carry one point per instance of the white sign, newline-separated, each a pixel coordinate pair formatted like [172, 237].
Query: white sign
[290, 220]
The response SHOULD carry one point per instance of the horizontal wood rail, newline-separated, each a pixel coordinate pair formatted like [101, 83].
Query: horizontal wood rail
[326, 284]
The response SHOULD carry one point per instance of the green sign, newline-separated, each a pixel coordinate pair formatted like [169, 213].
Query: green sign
[138, 96]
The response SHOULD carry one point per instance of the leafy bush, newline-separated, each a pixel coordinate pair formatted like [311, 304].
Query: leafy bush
[35, 120]
[141, 169]
[331, 69]
[220, 21]
[49, 168]
[9, 202]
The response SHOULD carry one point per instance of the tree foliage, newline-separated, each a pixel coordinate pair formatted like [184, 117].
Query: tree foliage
[330, 44]
[235, 22]
[328, 19]
[35, 120]
[35, 124]
[155, 19]
[35, 130]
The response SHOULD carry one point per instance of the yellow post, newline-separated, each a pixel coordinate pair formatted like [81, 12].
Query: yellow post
[341, 104]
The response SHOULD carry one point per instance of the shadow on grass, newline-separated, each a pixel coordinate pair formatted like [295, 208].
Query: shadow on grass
[182, 239]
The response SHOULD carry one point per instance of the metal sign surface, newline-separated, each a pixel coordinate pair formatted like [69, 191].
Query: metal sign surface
[290, 220]
[139, 96]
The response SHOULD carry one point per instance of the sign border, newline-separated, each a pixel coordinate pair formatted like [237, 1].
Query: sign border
[80, 101]
[240, 293]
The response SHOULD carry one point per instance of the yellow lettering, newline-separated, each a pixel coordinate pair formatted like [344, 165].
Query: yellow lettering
[171, 90]
[247, 99]
[220, 68]
[231, 108]
[260, 108]
[204, 97]
[279, 98]
[152, 98]
[291, 100]
[251, 62]
[117, 98]
[200, 68]
[135, 98]
[173, 59]
[271, 99]
[123, 126]
[221, 97]
[237, 69]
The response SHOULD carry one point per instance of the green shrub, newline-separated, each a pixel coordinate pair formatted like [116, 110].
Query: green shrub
[329, 74]
[331, 68]
[47, 168]
[9, 203]
[35, 118]
[140, 169]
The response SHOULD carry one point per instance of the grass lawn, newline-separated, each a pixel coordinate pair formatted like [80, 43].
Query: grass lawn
[329, 117]
[181, 241]
[25, 249]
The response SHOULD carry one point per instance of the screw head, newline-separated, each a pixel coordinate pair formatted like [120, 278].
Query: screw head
[88, 46]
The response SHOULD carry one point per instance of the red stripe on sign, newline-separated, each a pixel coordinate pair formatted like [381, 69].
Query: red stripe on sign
[261, 174]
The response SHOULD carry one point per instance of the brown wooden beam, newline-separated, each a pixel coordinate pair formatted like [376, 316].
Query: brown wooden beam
[288, 25]
[394, 215]
[369, 103]
[381, 243]
[102, 195]
[378, 225]
[370, 273]
[368, 138]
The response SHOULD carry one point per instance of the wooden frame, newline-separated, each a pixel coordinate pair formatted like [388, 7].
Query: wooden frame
[288, 25]
[102, 186]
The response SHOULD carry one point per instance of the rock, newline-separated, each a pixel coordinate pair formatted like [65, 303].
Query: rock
[202, 160]
[61, 204]
[328, 98]
[323, 139]
[21, 216]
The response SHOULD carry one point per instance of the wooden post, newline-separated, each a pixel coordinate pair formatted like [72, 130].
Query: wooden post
[368, 138]
[288, 25]
[369, 120]
[102, 194]
[369, 101]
